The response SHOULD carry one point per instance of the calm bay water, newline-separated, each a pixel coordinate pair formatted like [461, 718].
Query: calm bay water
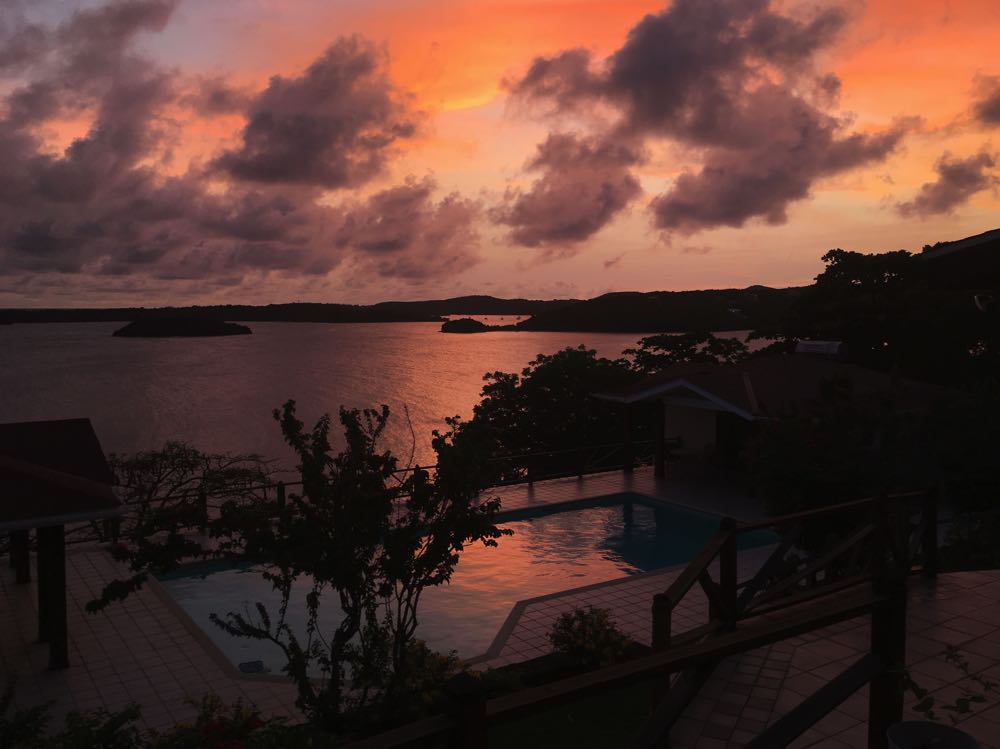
[218, 393]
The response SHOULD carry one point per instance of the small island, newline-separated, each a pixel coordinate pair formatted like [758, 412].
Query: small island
[468, 325]
[180, 327]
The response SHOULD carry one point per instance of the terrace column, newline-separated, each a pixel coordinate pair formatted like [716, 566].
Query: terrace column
[52, 626]
[20, 558]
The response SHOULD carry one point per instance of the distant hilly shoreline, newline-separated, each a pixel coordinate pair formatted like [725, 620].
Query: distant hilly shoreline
[625, 312]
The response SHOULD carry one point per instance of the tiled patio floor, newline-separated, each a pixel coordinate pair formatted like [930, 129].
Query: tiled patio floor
[141, 650]
[750, 691]
[147, 651]
[524, 635]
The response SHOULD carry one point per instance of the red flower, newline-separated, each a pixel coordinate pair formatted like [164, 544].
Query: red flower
[119, 550]
[214, 727]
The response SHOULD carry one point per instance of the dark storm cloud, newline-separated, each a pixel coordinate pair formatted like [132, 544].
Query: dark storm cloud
[733, 80]
[986, 107]
[20, 43]
[957, 181]
[584, 183]
[565, 80]
[402, 232]
[71, 65]
[105, 208]
[61, 212]
[214, 95]
[735, 185]
[332, 126]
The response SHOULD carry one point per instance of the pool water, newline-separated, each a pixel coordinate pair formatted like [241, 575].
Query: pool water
[546, 554]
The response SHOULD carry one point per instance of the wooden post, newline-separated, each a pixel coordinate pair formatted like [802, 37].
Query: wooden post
[663, 610]
[58, 634]
[888, 642]
[52, 626]
[112, 529]
[728, 564]
[280, 493]
[660, 440]
[929, 543]
[467, 698]
[20, 556]
[888, 634]
[880, 541]
[43, 560]
[529, 465]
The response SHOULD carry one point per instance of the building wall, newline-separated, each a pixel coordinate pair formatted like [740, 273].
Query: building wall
[696, 426]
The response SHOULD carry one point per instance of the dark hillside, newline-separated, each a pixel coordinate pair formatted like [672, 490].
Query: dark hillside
[670, 311]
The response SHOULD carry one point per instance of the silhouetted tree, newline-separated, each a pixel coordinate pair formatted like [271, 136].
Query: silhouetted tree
[548, 407]
[658, 352]
[885, 309]
[362, 533]
[365, 538]
[164, 493]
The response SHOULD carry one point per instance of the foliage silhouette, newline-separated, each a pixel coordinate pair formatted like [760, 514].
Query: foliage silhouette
[360, 532]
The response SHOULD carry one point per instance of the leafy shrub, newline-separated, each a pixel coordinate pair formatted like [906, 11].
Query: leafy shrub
[21, 727]
[410, 695]
[589, 636]
[974, 690]
[217, 726]
[100, 729]
[93, 729]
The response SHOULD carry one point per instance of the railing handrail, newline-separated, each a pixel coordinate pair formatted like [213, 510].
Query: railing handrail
[673, 660]
[855, 504]
[567, 450]
[686, 580]
[194, 492]
[802, 613]
[700, 564]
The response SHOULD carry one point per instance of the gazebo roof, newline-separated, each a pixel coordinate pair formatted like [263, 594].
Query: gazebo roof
[52, 473]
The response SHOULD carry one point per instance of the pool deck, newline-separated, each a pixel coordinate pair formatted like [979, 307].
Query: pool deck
[147, 651]
[707, 496]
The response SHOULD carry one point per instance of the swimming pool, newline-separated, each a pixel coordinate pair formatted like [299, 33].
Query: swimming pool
[547, 554]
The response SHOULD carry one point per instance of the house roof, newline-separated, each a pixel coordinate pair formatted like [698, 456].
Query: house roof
[971, 263]
[53, 472]
[764, 386]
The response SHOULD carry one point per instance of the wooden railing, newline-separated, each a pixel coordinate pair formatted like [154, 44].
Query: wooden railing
[861, 571]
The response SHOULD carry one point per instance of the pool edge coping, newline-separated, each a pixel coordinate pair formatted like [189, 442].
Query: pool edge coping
[518, 609]
[205, 641]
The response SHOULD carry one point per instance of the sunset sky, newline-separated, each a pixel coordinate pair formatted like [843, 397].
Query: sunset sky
[212, 151]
